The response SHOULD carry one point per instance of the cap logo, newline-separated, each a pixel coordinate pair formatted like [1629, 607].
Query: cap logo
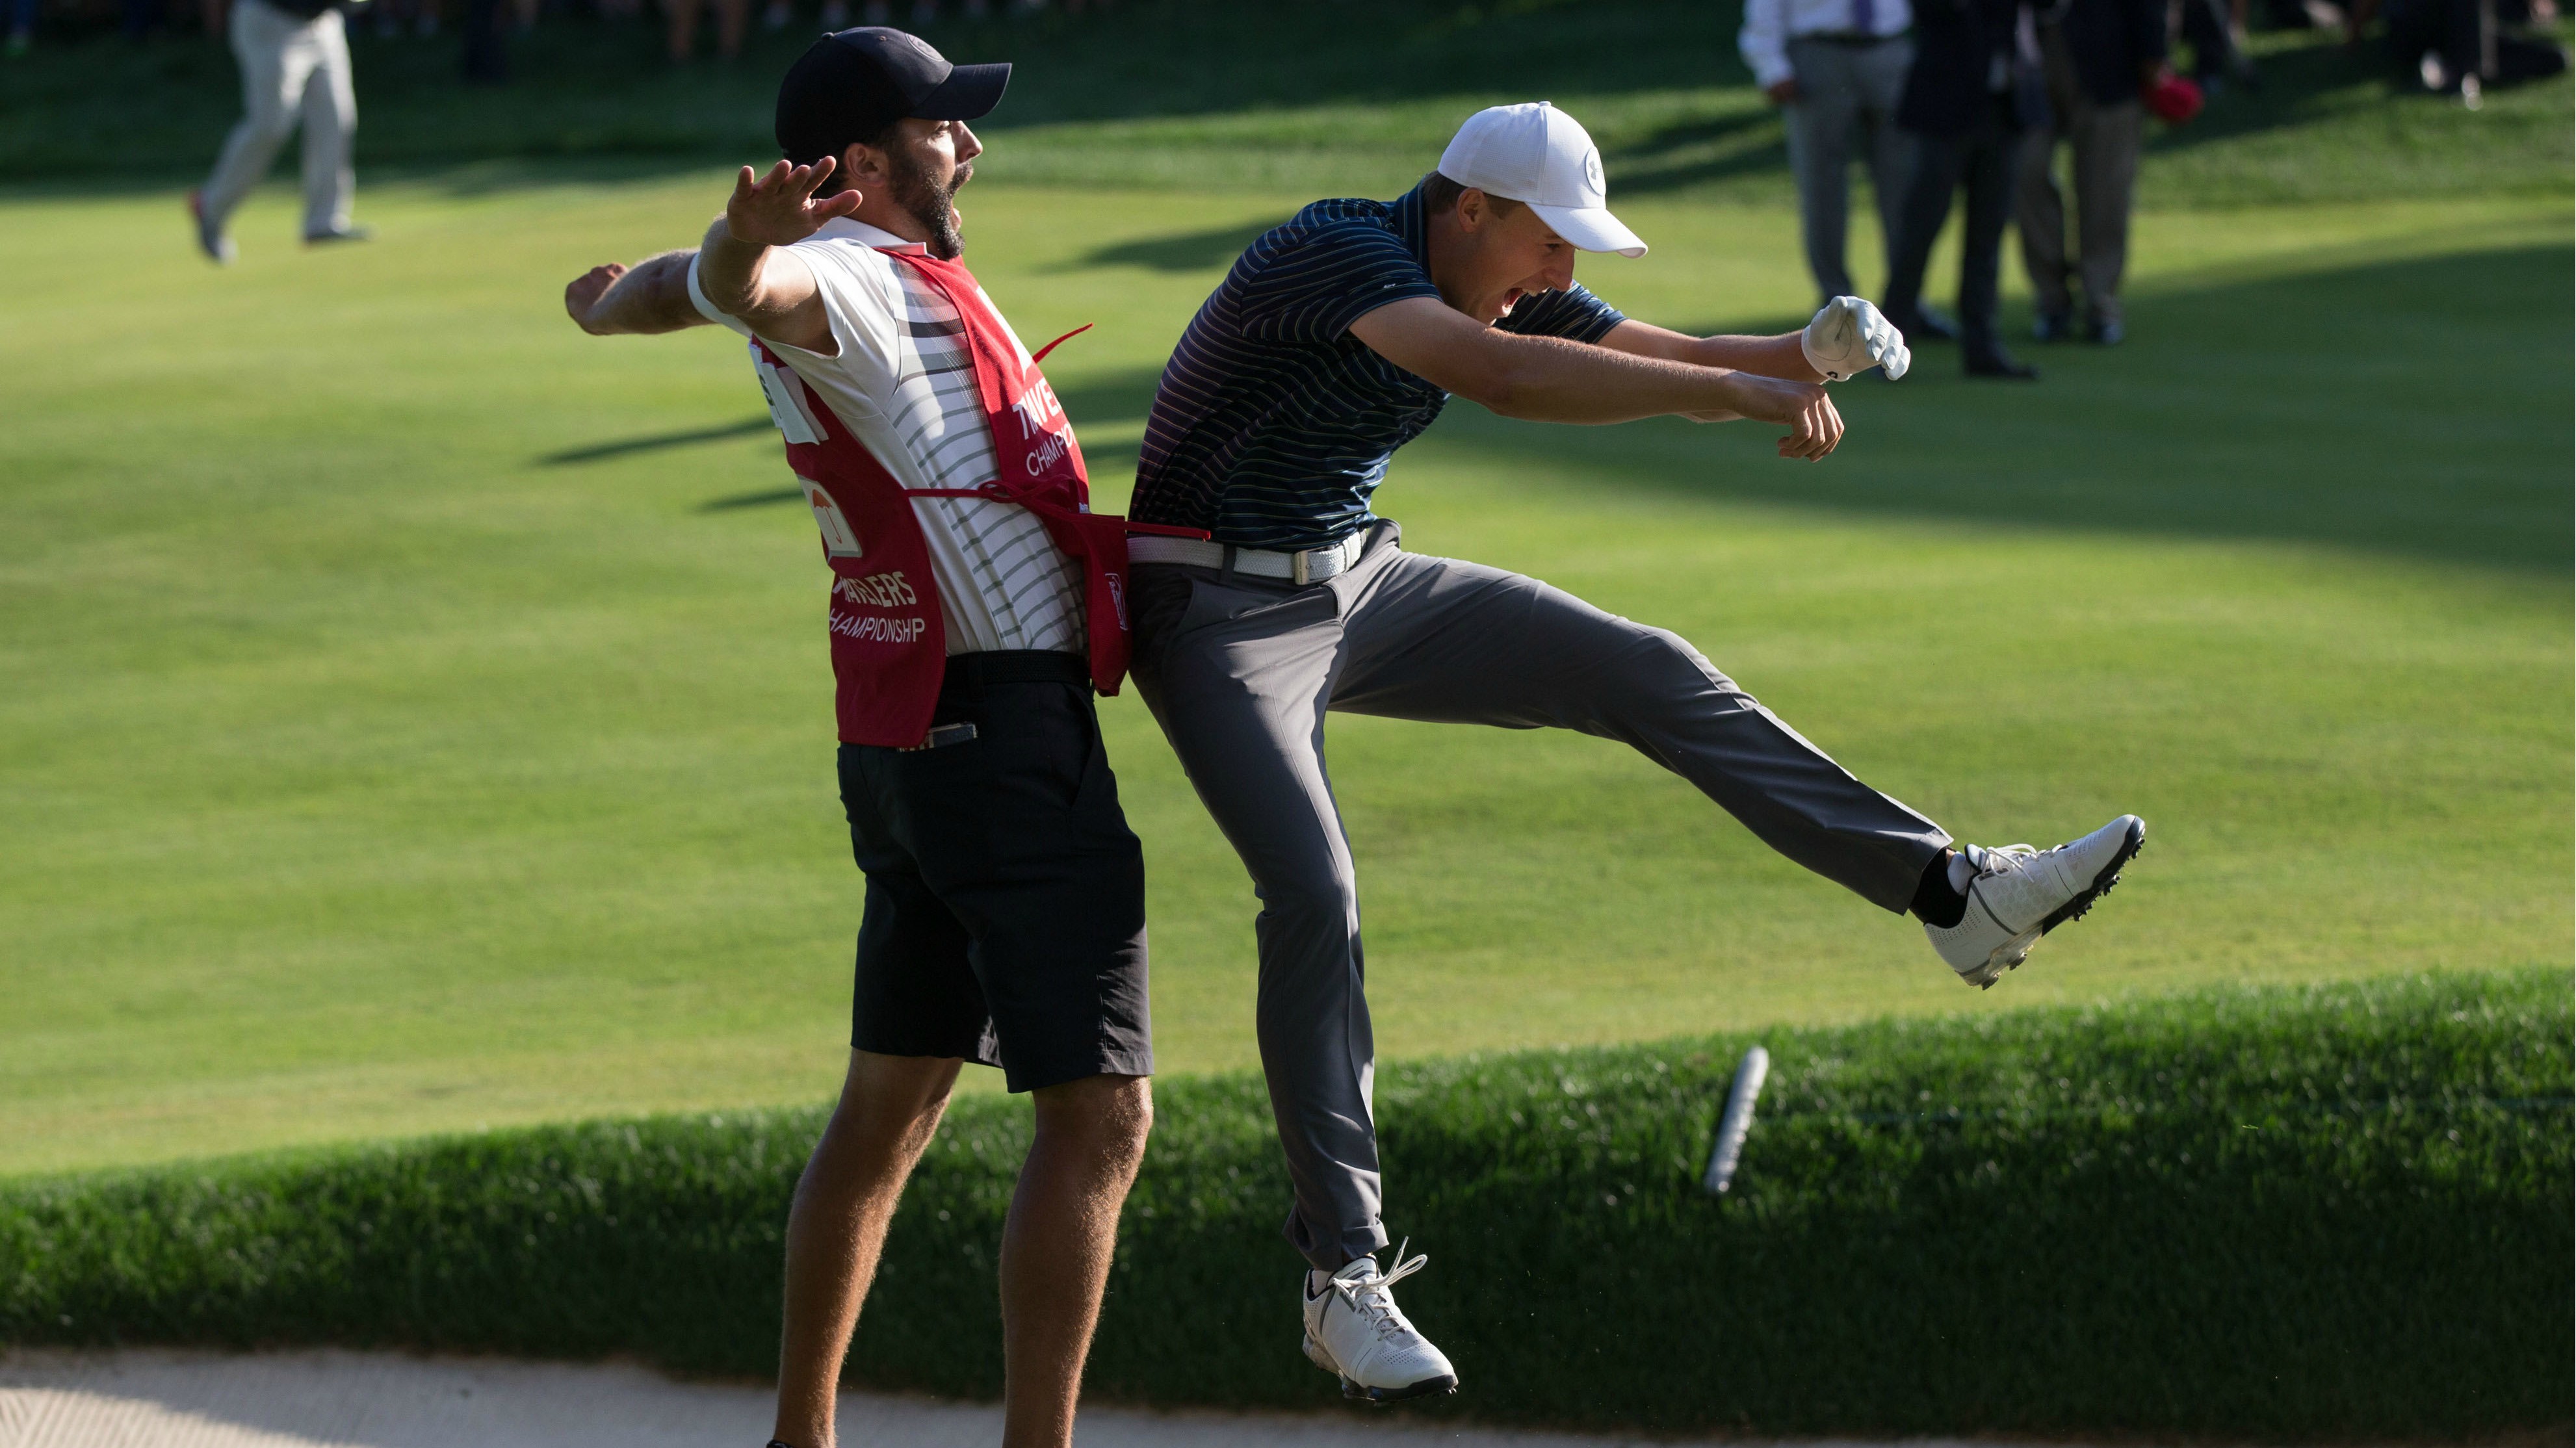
[1592, 174]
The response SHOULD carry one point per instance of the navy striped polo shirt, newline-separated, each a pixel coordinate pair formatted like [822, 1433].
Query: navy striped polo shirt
[1274, 424]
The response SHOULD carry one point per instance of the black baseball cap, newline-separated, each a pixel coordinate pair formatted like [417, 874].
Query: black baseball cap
[852, 84]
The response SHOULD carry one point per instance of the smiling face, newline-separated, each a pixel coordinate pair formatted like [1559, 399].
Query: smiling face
[1486, 255]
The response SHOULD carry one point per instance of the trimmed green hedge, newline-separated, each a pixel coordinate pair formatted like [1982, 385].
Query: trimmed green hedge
[2333, 1212]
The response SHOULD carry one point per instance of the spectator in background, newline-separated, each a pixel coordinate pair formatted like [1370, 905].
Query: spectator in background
[485, 59]
[294, 57]
[1835, 68]
[924, 12]
[22, 27]
[780, 14]
[732, 16]
[2095, 56]
[390, 14]
[1972, 93]
[2463, 47]
[2215, 31]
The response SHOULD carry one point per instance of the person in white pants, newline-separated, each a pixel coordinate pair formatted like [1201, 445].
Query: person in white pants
[295, 67]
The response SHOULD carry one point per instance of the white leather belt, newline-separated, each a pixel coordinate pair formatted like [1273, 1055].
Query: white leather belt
[1314, 565]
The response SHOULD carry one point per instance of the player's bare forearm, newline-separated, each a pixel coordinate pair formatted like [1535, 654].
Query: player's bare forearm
[650, 296]
[1781, 356]
[1540, 379]
[1571, 382]
[1577, 382]
[1550, 379]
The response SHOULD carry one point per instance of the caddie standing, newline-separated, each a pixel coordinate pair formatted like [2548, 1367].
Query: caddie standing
[1336, 339]
[975, 604]
[294, 58]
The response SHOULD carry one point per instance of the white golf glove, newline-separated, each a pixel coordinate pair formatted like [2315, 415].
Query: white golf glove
[1849, 337]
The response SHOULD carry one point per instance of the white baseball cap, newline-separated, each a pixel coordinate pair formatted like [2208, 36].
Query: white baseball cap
[1535, 154]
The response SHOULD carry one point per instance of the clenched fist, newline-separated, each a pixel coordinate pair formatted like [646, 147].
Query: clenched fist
[583, 297]
[1849, 337]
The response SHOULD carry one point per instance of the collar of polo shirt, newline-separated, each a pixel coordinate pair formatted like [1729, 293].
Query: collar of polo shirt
[841, 228]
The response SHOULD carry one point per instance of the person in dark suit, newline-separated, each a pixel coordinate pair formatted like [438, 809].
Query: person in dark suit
[2095, 56]
[1972, 93]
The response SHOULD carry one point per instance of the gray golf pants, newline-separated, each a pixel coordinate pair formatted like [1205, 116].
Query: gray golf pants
[1847, 94]
[1240, 671]
[294, 70]
[2104, 141]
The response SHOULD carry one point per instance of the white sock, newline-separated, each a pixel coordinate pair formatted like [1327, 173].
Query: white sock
[1318, 1281]
[1961, 872]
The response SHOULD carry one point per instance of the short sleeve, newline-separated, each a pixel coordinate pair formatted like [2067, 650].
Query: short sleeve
[864, 304]
[1311, 287]
[707, 309]
[1574, 314]
[864, 298]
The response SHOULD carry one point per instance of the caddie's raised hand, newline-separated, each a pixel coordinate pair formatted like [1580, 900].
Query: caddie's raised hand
[1849, 337]
[779, 209]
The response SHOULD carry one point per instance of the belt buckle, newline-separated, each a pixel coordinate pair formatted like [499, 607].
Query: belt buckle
[941, 738]
[1297, 568]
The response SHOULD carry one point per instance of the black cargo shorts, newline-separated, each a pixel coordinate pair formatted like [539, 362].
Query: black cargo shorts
[1005, 918]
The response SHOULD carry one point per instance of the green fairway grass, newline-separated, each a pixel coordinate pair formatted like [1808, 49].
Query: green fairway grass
[414, 714]
[1258, 95]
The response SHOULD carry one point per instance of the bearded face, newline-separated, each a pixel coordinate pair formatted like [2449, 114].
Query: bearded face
[929, 199]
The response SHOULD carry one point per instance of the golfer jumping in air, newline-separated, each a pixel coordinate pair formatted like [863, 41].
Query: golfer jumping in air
[974, 607]
[1336, 339]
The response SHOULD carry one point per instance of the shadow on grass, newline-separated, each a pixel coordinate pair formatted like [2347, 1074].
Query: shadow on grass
[1179, 252]
[1711, 148]
[2359, 407]
[2294, 80]
[656, 442]
[2303, 78]
[763, 498]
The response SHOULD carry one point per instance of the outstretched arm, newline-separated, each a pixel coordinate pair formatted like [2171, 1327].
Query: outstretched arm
[1847, 337]
[744, 267]
[1782, 356]
[1549, 379]
[650, 296]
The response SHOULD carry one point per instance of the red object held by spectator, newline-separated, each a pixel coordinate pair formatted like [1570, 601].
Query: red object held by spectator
[2173, 98]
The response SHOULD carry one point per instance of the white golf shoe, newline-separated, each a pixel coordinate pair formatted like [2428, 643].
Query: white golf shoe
[1355, 1330]
[2020, 894]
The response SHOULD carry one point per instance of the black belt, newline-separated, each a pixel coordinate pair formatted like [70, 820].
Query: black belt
[1016, 666]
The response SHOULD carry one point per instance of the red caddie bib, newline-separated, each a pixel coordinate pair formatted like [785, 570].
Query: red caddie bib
[889, 640]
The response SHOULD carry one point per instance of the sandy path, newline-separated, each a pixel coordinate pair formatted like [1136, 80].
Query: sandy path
[334, 1399]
